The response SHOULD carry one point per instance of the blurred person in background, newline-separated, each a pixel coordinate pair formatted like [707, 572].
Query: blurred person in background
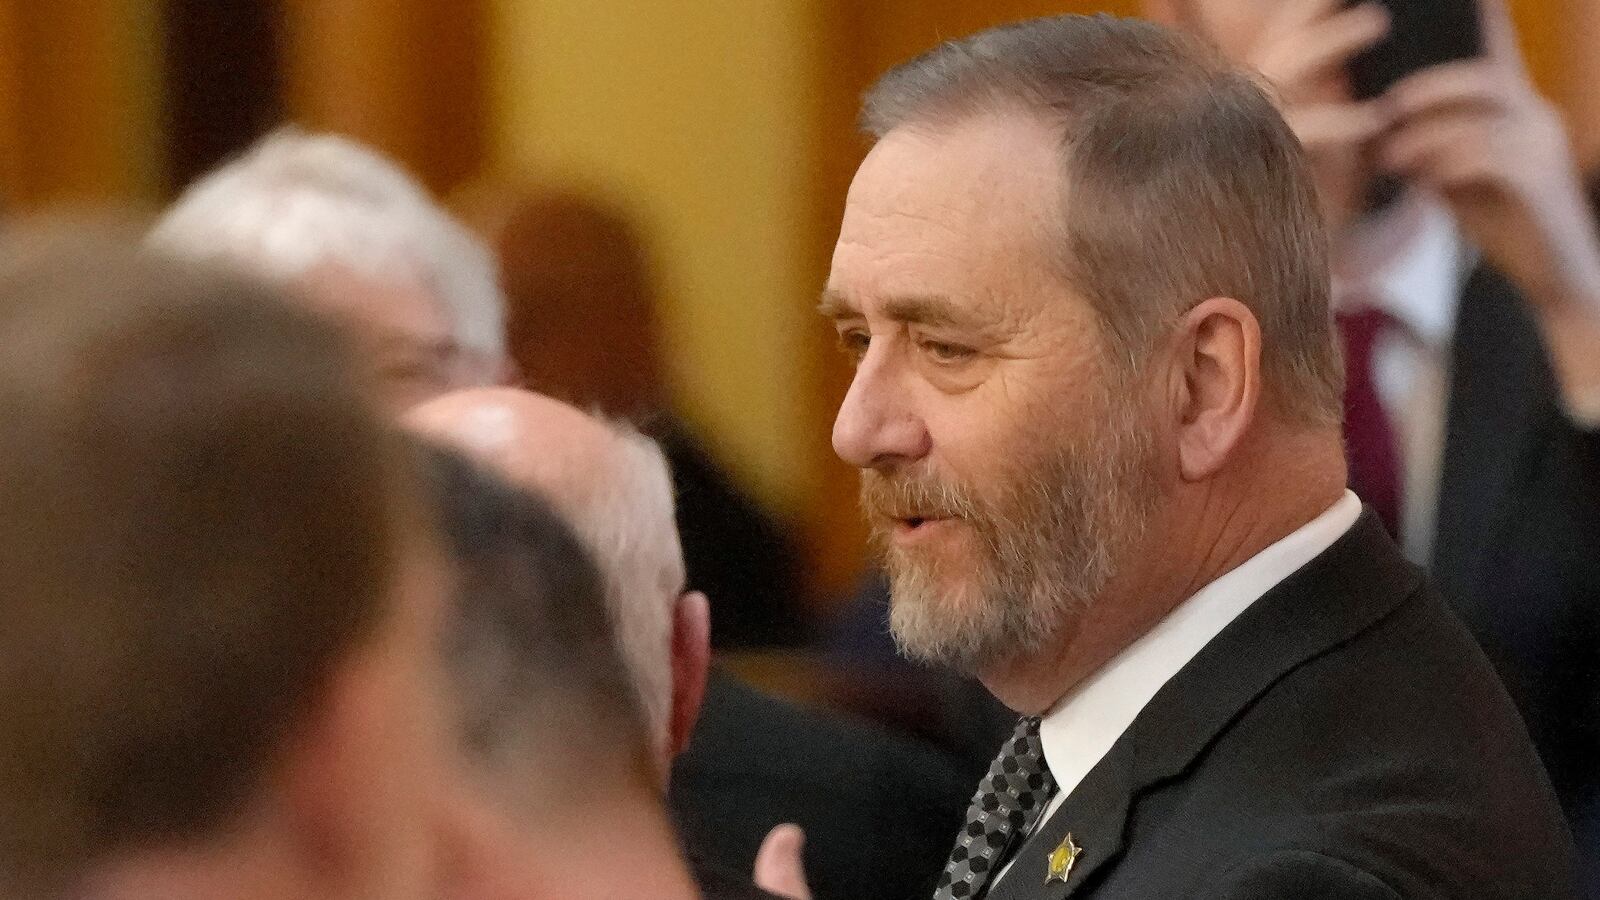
[878, 811]
[564, 790]
[1470, 311]
[583, 326]
[219, 670]
[358, 240]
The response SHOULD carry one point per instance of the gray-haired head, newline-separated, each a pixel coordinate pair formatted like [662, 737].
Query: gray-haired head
[1181, 181]
[613, 486]
[543, 699]
[298, 204]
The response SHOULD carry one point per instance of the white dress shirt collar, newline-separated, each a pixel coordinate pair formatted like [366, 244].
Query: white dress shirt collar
[1081, 728]
[1410, 261]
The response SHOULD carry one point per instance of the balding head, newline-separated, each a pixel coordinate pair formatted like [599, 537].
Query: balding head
[613, 486]
[532, 440]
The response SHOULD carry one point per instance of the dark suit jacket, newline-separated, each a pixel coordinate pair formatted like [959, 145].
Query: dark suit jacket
[1343, 738]
[879, 811]
[1518, 543]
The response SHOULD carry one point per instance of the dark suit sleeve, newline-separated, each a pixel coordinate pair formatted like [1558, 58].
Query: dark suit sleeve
[1299, 873]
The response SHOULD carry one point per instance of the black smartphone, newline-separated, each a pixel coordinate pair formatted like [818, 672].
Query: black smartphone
[1422, 33]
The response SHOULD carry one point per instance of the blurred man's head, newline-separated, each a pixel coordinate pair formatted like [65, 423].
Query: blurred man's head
[544, 707]
[1236, 26]
[361, 242]
[218, 670]
[1304, 48]
[1082, 274]
[612, 485]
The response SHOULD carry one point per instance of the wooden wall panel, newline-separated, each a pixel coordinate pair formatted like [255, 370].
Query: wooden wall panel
[224, 81]
[407, 76]
[11, 173]
[1581, 60]
[1542, 27]
[79, 102]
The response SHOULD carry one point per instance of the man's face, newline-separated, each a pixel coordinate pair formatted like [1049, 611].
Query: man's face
[400, 331]
[1003, 463]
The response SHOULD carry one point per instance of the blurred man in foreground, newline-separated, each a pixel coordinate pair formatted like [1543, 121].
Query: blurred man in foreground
[1097, 412]
[611, 485]
[360, 242]
[564, 797]
[878, 810]
[1470, 312]
[219, 664]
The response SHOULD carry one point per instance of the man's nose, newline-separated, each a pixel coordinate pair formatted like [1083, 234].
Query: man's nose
[877, 424]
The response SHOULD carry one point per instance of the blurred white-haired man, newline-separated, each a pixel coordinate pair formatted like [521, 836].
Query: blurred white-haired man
[359, 240]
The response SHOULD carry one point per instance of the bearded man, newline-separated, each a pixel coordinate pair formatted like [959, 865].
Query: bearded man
[1097, 412]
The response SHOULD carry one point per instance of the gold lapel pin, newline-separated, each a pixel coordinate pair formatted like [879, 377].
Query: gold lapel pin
[1061, 860]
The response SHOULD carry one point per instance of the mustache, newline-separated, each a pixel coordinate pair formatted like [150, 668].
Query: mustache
[918, 495]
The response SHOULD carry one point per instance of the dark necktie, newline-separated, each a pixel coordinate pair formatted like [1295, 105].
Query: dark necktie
[1371, 445]
[1008, 804]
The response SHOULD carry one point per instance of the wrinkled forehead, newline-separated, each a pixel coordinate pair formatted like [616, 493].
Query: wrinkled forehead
[949, 209]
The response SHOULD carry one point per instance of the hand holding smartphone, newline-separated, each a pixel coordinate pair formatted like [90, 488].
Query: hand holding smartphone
[1422, 34]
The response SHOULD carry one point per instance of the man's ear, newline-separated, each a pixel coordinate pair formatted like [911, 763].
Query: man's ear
[1217, 383]
[691, 664]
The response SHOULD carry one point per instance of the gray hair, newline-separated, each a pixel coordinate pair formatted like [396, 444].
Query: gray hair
[296, 201]
[1181, 181]
[543, 700]
[625, 518]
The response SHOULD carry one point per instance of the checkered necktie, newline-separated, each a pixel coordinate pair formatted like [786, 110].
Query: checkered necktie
[1007, 805]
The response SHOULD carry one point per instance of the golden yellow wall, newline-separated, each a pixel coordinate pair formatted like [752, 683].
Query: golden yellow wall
[696, 112]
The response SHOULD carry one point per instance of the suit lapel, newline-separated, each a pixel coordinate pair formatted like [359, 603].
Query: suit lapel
[1355, 583]
[1095, 815]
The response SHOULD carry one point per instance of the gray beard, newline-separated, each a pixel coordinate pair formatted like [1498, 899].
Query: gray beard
[1044, 551]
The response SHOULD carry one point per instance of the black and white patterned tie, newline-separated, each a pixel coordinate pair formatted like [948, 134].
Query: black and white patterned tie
[1008, 803]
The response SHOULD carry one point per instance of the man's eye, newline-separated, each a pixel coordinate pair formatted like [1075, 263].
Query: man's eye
[942, 352]
[853, 343]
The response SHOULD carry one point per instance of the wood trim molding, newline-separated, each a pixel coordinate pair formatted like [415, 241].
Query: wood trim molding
[407, 76]
[76, 103]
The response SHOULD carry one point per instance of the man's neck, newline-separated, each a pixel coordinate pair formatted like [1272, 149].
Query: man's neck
[1196, 537]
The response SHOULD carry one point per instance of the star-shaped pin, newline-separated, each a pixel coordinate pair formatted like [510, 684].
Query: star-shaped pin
[1061, 860]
